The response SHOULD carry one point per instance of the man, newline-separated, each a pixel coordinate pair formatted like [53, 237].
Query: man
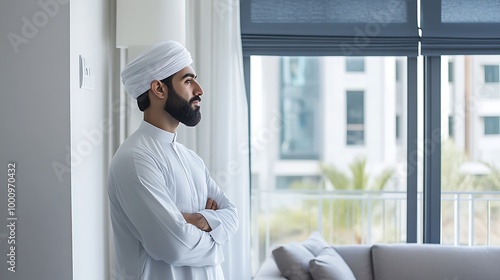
[170, 219]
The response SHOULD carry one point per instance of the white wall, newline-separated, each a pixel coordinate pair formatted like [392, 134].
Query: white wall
[34, 133]
[53, 131]
[90, 130]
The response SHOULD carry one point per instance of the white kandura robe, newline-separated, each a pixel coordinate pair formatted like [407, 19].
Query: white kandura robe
[152, 181]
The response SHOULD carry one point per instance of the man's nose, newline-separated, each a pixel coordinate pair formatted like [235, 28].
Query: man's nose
[198, 90]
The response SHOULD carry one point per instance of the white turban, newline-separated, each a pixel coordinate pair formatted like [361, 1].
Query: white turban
[156, 63]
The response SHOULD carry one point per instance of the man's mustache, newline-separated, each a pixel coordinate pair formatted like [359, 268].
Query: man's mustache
[196, 98]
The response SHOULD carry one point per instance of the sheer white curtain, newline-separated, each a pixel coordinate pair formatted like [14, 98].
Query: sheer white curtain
[221, 139]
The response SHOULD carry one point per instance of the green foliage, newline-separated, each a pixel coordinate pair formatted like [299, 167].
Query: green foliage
[452, 179]
[492, 181]
[342, 216]
[452, 158]
[358, 177]
[382, 179]
[346, 214]
[336, 177]
[290, 222]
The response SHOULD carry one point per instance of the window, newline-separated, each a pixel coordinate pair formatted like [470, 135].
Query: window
[450, 126]
[491, 125]
[294, 193]
[447, 205]
[398, 70]
[299, 107]
[398, 120]
[464, 11]
[451, 72]
[354, 64]
[355, 116]
[491, 74]
[472, 121]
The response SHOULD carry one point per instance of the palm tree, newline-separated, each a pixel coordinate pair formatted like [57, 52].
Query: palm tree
[453, 179]
[349, 212]
[358, 178]
[492, 181]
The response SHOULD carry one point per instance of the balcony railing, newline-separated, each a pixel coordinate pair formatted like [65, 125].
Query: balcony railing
[366, 217]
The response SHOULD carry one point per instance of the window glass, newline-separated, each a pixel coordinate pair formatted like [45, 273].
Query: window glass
[300, 107]
[318, 11]
[450, 71]
[491, 73]
[355, 111]
[355, 64]
[470, 152]
[466, 11]
[450, 126]
[491, 125]
[298, 182]
[398, 130]
[325, 155]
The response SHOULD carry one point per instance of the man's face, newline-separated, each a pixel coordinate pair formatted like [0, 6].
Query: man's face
[183, 101]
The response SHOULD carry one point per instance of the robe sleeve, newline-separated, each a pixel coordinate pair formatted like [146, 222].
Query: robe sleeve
[224, 221]
[155, 220]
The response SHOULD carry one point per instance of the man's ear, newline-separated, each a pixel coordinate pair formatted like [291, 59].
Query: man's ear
[158, 89]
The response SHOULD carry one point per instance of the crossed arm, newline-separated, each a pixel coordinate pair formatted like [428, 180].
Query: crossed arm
[198, 219]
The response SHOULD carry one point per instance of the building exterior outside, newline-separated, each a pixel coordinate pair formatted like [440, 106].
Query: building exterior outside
[328, 109]
[473, 105]
[309, 112]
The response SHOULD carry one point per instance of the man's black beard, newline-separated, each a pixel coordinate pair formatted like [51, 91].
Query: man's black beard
[181, 109]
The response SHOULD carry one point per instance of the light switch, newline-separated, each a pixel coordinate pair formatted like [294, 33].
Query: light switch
[87, 78]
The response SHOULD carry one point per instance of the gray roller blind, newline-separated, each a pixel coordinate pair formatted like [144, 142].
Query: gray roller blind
[330, 27]
[460, 27]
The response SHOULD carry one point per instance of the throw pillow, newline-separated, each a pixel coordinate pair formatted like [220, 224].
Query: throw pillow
[315, 243]
[329, 265]
[293, 261]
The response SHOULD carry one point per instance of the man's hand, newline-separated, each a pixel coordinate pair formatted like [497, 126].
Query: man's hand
[198, 220]
[211, 204]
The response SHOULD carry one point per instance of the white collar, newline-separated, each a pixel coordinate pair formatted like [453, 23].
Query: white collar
[158, 133]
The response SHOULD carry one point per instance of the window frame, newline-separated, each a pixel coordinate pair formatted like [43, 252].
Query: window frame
[437, 39]
[412, 214]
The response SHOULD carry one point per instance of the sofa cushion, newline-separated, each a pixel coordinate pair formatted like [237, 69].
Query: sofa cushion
[435, 262]
[315, 243]
[293, 261]
[329, 265]
[358, 258]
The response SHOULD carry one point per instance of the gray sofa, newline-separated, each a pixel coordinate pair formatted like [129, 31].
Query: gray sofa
[387, 262]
